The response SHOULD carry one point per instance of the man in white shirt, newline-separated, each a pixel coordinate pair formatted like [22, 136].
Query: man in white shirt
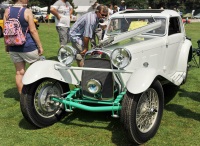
[62, 10]
[110, 9]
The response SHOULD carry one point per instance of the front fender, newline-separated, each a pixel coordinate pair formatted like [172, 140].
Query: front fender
[140, 80]
[46, 69]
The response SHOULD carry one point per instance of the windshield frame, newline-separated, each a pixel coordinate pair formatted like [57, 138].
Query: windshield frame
[154, 18]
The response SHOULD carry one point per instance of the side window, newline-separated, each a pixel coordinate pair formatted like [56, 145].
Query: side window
[174, 26]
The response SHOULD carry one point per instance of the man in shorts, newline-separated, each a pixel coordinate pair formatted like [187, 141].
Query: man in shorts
[62, 10]
[83, 29]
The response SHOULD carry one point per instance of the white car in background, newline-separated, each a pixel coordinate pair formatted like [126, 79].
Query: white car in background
[39, 16]
[142, 50]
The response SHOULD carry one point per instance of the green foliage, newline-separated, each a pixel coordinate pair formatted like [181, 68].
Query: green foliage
[179, 126]
[183, 5]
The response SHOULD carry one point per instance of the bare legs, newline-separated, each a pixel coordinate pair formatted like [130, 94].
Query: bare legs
[20, 70]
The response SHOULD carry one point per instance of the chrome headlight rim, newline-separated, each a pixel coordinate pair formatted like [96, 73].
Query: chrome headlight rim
[66, 54]
[128, 61]
[96, 83]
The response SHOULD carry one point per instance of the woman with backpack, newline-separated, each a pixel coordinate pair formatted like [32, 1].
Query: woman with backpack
[31, 48]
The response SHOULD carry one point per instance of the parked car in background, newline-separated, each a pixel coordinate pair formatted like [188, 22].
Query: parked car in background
[142, 50]
[39, 16]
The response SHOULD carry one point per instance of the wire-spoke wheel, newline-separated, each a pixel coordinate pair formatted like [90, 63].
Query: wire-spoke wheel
[147, 110]
[36, 104]
[143, 113]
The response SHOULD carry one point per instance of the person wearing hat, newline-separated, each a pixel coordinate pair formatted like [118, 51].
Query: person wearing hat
[122, 7]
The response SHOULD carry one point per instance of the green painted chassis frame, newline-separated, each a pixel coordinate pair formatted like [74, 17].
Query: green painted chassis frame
[71, 101]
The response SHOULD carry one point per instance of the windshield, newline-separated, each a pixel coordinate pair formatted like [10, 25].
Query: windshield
[120, 25]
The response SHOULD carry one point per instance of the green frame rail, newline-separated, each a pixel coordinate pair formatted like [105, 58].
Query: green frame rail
[71, 102]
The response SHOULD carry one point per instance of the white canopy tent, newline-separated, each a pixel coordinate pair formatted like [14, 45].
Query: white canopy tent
[35, 8]
[81, 10]
[44, 9]
[78, 3]
[83, 6]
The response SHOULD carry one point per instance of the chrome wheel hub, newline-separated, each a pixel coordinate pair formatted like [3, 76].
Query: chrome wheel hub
[44, 106]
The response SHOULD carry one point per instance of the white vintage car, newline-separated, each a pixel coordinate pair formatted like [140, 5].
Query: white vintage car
[124, 74]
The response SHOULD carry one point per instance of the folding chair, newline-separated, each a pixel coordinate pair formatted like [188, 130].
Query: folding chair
[196, 52]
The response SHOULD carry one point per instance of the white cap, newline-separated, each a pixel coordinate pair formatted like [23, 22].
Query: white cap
[122, 1]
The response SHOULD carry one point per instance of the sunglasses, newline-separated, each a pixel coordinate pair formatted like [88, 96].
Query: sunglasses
[103, 15]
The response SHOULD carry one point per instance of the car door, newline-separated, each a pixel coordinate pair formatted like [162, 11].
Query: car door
[174, 42]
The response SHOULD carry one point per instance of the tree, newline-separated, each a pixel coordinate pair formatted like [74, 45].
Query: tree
[183, 5]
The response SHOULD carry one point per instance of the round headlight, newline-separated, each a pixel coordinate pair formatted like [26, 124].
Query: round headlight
[93, 86]
[66, 54]
[120, 57]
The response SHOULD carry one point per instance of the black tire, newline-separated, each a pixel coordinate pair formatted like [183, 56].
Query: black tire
[123, 114]
[36, 106]
[23, 103]
[187, 68]
[185, 79]
[144, 113]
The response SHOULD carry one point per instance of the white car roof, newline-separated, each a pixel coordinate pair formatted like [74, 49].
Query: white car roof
[146, 12]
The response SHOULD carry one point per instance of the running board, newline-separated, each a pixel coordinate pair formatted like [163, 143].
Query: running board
[177, 78]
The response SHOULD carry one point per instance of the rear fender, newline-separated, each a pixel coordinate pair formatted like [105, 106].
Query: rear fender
[141, 80]
[184, 56]
[46, 69]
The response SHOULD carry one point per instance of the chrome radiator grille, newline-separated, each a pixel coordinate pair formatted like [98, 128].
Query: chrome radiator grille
[106, 78]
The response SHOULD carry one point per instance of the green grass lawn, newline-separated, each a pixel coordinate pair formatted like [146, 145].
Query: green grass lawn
[180, 123]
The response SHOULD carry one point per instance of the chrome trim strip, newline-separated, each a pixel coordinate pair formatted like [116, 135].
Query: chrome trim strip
[59, 67]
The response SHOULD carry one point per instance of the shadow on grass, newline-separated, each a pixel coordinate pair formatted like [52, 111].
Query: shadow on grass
[86, 119]
[119, 137]
[55, 58]
[183, 112]
[12, 93]
[179, 109]
[170, 92]
[24, 124]
[192, 95]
